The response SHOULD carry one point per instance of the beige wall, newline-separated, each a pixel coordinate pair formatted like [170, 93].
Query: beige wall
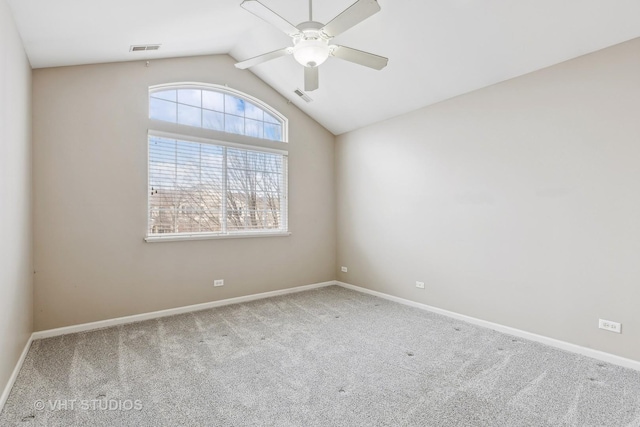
[518, 203]
[90, 154]
[16, 268]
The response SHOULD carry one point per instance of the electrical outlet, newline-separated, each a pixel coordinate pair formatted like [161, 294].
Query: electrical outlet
[420, 285]
[610, 326]
[344, 269]
[218, 282]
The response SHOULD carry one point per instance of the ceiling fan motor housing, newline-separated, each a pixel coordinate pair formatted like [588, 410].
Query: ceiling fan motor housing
[311, 47]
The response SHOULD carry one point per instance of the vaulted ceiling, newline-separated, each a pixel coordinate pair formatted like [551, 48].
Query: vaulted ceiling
[437, 49]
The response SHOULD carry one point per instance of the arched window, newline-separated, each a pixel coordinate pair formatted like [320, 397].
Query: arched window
[206, 178]
[216, 108]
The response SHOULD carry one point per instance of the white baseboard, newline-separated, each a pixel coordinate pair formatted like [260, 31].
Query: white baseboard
[140, 317]
[596, 354]
[171, 311]
[563, 345]
[14, 374]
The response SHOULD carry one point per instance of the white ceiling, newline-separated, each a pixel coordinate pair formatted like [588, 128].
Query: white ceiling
[437, 49]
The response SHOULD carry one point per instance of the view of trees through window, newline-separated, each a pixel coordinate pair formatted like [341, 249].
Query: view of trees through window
[204, 188]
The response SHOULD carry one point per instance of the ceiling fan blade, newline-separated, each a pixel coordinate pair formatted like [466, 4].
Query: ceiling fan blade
[263, 58]
[353, 15]
[268, 15]
[359, 57]
[311, 79]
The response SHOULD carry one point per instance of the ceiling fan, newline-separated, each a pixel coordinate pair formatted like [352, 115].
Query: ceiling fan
[311, 39]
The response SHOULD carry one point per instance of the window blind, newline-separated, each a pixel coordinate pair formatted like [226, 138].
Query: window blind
[201, 188]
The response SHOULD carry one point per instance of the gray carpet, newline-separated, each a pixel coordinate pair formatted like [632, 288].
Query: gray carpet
[329, 357]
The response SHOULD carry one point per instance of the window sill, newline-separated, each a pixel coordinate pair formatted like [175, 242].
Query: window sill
[179, 237]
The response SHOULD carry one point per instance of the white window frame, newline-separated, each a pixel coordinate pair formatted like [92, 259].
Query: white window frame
[187, 133]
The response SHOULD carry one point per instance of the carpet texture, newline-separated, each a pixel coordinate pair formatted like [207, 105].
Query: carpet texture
[328, 357]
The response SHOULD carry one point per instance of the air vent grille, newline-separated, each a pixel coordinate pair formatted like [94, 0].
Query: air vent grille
[302, 95]
[142, 47]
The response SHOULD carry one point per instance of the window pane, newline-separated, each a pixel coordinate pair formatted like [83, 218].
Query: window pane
[162, 172]
[189, 199]
[273, 219]
[162, 110]
[212, 120]
[211, 176]
[269, 182]
[253, 112]
[253, 195]
[185, 186]
[162, 181]
[233, 105]
[169, 95]
[236, 158]
[254, 160]
[270, 119]
[190, 97]
[233, 124]
[273, 132]
[189, 116]
[213, 100]
[273, 163]
[161, 221]
[253, 128]
[235, 220]
[237, 182]
[187, 168]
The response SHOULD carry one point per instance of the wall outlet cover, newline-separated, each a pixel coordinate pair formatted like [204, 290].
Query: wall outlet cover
[610, 326]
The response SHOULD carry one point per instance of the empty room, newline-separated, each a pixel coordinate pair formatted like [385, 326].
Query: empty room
[320, 213]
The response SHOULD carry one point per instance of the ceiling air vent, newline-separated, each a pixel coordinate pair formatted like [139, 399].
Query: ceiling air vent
[141, 47]
[302, 95]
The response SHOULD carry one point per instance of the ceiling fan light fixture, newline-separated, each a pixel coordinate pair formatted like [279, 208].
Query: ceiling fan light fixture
[311, 39]
[311, 52]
